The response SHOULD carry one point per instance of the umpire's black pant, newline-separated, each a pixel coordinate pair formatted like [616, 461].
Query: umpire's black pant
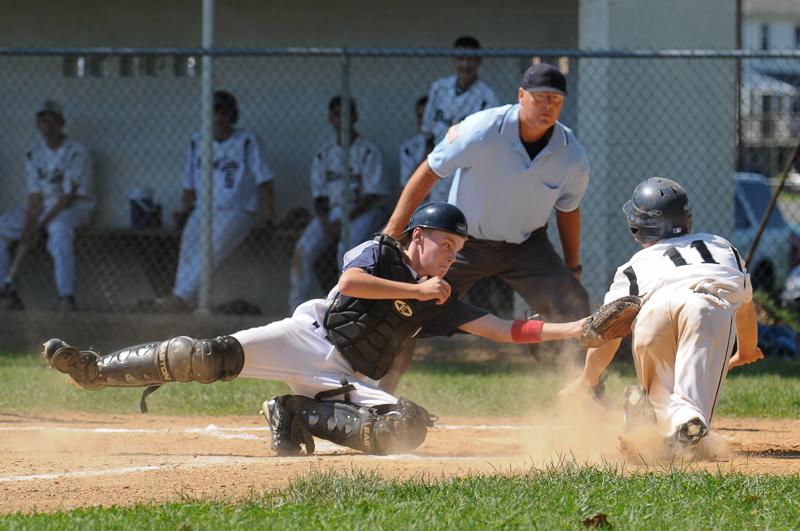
[533, 269]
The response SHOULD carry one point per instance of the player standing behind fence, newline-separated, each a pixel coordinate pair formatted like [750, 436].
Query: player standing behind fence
[414, 150]
[453, 98]
[59, 181]
[367, 187]
[517, 164]
[697, 312]
[242, 187]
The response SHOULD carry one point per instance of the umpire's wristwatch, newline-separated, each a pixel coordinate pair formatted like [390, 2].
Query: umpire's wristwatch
[578, 269]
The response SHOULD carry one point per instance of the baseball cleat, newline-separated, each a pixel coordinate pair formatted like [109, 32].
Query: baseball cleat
[637, 408]
[81, 365]
[688, 434]
[280, 424]
[51, 347]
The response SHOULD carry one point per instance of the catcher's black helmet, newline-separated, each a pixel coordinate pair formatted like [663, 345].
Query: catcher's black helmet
[659, 209]
[437, 215]
[225, 100]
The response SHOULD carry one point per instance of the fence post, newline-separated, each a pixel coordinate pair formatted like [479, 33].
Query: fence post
[206, 199]
[344, 235]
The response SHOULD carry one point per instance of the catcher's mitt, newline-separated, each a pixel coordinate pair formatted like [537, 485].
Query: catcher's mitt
[610, 321]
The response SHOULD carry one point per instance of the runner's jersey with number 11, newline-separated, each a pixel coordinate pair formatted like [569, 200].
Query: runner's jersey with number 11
[682, 263]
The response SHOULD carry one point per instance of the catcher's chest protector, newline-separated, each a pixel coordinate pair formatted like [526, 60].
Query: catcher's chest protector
[371, 332]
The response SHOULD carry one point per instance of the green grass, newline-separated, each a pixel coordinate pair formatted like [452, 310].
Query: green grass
[769, 388]
[560, 496]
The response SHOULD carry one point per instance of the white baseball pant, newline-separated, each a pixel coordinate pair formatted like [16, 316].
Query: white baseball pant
[682, 343]
[60, 237]
[291, 351]
[229, 229]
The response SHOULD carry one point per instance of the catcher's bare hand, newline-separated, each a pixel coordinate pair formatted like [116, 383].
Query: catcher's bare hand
[577, 328]
[611, 321]
[434, 288]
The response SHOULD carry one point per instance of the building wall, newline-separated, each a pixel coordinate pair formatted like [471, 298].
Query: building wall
[657, 131]
[394, 23]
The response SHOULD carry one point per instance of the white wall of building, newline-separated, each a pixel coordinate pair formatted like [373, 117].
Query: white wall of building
[659, 134]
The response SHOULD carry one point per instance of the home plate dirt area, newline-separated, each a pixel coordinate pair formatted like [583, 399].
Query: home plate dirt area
[65, 460]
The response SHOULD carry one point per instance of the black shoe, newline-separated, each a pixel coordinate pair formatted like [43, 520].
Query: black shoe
[81, 365]
[67, 304]
[280, 424]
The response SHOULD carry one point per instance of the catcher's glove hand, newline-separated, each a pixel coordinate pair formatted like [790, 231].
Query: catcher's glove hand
[610, 321]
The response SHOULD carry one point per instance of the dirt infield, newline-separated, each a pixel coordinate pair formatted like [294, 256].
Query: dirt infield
[66, 460]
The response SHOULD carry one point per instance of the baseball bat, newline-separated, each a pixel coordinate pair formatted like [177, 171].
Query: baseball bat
[22, 250]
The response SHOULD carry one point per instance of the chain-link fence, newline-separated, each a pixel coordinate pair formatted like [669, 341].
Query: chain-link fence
[673, 114]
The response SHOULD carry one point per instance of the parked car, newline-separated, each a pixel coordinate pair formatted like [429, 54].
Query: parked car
[791, 289]
[770, 263]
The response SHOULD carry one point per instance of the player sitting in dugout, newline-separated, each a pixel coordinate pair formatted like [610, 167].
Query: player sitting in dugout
[331, 351]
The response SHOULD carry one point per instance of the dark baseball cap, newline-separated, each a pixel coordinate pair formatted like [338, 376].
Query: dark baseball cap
[224, 99]
[544, 77]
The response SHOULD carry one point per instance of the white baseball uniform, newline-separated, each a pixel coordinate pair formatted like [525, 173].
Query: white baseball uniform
[53, 173]
[366, 177]
[239, 168]
[412, 152]
[685, 333]
[447, 106]
[296, 350]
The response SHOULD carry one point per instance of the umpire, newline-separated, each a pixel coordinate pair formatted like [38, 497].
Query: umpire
[517, 163]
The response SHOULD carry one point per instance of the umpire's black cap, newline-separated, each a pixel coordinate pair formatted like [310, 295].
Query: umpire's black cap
[544, 78]
[437, 215]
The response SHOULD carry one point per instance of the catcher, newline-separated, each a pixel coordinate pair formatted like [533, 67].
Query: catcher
[697, 319]
[331, 350]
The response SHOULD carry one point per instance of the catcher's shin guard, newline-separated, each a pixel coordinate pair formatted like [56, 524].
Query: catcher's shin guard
[380, 430]
[181, 359]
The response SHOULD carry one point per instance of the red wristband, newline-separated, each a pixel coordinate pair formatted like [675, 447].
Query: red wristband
[526, 331]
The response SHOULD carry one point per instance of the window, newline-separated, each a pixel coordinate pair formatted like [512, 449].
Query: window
[765, 37]
[797, 36]
[75, 66]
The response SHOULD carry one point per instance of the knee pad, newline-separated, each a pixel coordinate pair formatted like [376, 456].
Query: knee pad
[206, 360]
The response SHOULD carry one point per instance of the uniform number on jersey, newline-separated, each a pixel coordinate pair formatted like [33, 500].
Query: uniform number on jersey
[677, 258]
